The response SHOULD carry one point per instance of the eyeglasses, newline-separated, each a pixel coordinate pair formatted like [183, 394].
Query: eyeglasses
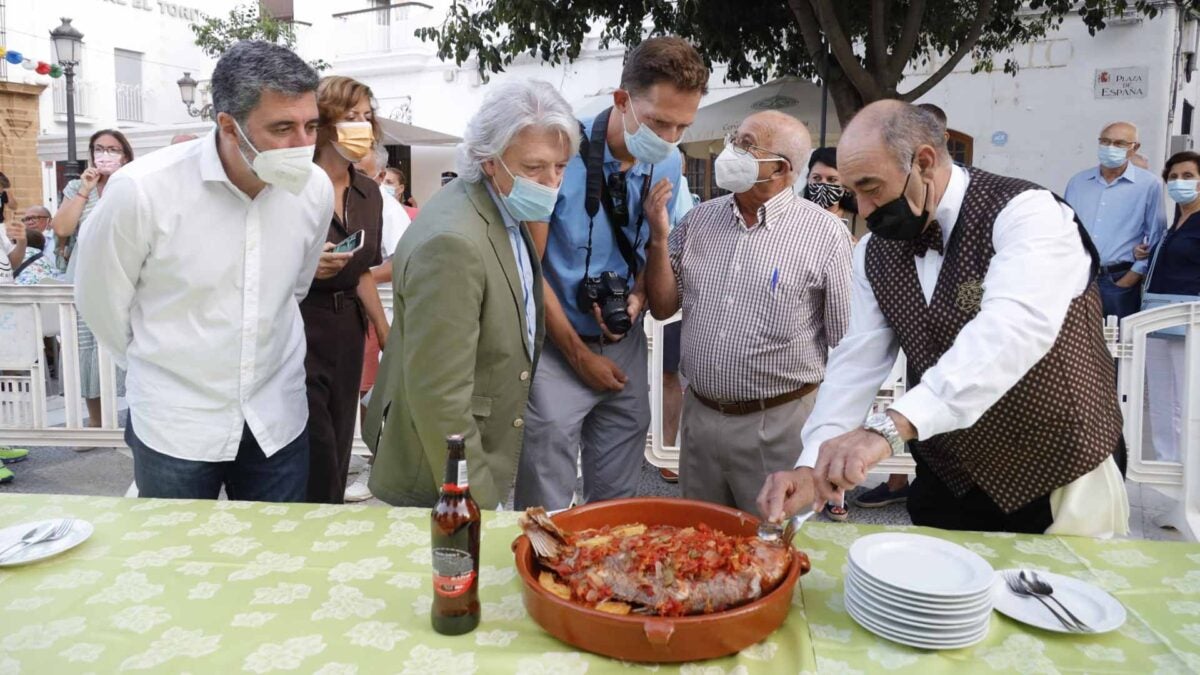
[1110, 143]
[743, 146]
[101, 150]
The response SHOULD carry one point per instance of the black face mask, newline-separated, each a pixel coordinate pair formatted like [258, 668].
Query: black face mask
[895, 219]
[823, 194]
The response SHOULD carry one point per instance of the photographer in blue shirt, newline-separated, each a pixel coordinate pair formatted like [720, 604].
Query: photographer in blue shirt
[590, 395]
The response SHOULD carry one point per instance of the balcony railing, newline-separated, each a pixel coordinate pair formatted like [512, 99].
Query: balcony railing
[381, 29]
[83, 97]
[129, 102]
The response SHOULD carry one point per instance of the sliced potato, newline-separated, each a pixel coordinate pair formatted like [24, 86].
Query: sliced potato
[596, 541]
[551, 584]
[614, 607]
[629, 530]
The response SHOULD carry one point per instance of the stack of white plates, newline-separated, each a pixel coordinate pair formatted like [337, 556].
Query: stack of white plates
[919, 591]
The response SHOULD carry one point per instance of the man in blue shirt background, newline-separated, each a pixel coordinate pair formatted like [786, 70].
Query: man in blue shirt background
[1121, 206]
[591, 395]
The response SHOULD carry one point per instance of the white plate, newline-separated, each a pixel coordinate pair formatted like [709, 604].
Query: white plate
[919, 642]
[915, 616]
[1092, 605]
[902, 626]
[921, 564]
[928, 602]
[873, 590]
[78, 534]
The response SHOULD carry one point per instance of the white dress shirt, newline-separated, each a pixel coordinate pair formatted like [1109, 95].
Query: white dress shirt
[194, 287]
[1038, 269]
[395, 222]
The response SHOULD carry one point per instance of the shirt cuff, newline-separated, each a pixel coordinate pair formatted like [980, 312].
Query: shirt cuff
[1141, 267]
[812, 449]
[925, 411]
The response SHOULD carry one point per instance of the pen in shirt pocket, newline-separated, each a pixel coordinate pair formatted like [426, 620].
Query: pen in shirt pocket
[774, 280]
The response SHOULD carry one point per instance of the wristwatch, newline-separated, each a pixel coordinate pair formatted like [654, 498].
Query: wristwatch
[883, 425]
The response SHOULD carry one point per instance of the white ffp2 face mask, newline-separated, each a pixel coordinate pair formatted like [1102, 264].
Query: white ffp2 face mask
[738, 172]
[289, 168]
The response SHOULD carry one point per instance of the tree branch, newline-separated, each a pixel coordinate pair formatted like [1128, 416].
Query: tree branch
[808, 30]
[982, 18]
[877, 38]
[843, 51]
[908, 39]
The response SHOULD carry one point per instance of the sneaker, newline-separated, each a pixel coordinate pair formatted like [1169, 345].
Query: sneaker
[6, 474]
[836, 513]
[668, 475]
[358, 491]
[12, 455]
[880, 495]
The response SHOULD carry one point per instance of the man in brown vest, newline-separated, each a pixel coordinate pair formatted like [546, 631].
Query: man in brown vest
[988, 284]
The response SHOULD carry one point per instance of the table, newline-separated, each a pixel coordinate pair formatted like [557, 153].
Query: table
[176, 586]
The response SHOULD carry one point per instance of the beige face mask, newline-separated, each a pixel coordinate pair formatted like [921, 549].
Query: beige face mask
[354, 140]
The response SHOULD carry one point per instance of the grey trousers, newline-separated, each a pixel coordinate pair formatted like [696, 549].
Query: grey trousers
[725, 459]
[567, 419]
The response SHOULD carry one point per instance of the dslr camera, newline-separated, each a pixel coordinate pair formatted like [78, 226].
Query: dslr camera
[610, 292]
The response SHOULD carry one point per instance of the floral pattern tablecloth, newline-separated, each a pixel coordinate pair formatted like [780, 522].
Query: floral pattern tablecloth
[191, 586]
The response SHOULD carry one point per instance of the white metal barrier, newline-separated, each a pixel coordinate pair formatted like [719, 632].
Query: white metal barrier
[29, 313]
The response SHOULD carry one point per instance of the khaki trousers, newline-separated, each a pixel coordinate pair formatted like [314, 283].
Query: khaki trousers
[725, 459]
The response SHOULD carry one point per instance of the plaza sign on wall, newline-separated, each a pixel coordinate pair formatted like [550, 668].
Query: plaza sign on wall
[169, 9]
[1122, 82]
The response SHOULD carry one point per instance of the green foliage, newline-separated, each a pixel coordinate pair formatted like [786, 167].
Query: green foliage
[245, 22]
[762, 39]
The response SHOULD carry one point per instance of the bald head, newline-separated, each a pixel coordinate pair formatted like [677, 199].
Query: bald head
[38, 211]
[781, 134]
[1125, 130]
[183, 138]
[901, 128]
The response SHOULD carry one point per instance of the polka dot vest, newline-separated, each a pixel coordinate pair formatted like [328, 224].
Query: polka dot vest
[1058, 422]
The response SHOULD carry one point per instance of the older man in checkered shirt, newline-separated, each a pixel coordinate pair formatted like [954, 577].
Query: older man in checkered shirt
[763, 277]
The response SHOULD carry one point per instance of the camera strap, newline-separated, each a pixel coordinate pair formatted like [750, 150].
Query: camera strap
[597, 195]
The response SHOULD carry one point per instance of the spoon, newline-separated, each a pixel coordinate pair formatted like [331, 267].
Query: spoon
[785, 531]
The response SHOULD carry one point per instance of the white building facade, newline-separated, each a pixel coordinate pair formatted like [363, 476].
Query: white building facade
[1041, 124]
[134, 51]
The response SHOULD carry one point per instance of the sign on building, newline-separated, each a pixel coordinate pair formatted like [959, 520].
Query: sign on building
[1128, 82]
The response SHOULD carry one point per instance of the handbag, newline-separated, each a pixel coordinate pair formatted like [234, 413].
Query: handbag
[1156, 300]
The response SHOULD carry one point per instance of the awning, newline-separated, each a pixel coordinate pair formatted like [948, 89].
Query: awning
[799, 98]
[407, 134]
[720, 113]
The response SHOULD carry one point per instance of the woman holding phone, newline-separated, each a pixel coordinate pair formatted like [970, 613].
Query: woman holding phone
[109, 150]
[343, 297]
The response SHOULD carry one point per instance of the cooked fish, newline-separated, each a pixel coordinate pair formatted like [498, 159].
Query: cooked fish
[657, 569]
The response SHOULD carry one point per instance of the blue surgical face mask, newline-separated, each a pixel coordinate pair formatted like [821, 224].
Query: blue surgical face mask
[1182, 191]
[644, 144]
[528, 199]
[1112, 157]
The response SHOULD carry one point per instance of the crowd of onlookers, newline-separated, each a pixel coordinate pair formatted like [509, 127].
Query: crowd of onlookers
[246, 308]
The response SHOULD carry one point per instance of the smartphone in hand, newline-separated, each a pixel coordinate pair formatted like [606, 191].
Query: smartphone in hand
[350, 244]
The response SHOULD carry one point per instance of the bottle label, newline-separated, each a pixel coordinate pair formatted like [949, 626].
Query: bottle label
[462, 474]
[453, 572]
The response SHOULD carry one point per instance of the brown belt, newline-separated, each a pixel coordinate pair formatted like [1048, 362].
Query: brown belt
[757, 405]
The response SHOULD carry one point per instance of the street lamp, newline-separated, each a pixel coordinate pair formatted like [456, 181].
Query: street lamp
[68, 51]
[187, 92]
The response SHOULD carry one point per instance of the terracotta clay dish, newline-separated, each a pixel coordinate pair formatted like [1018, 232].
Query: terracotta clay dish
[634, 637]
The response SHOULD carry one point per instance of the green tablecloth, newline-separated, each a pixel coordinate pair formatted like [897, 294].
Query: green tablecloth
[173, 586]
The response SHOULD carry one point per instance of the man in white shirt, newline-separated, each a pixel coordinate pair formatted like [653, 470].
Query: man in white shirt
[190, 273]
[989, 286]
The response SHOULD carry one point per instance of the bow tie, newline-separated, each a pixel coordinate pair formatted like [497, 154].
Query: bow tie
[930, 238]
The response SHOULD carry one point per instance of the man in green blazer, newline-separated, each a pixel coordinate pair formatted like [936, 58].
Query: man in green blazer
[468, 317]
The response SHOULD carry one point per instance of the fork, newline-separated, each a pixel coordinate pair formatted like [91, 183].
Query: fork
[1039, 586]
[1017, 585]
[64, 526]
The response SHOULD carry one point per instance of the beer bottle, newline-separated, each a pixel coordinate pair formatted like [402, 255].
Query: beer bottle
[455, 527]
